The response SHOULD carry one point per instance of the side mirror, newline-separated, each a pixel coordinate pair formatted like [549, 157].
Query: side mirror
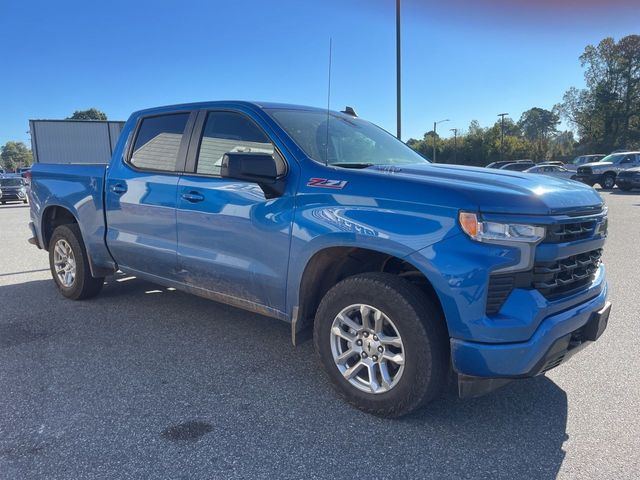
[260, 168]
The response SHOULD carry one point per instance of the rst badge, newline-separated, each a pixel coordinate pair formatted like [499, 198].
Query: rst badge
[326, 183]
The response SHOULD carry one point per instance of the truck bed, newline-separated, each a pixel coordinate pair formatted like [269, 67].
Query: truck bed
[79, 188]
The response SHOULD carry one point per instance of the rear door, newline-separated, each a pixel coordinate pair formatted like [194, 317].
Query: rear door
[232, 241]
[141, 195]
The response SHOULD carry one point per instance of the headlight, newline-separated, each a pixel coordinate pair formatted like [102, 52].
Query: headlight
[495, 232]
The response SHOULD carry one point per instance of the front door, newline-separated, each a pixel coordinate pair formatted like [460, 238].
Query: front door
[141, 196]
[232, 240]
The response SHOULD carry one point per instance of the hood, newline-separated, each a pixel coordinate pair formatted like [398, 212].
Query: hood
[499, 191]
[597, 164]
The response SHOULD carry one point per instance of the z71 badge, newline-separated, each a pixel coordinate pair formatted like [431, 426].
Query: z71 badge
[326, 183]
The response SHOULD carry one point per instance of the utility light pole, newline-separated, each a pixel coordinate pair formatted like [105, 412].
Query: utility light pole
[502, 115]
[435, 124]
[398, 83]
[455, 144]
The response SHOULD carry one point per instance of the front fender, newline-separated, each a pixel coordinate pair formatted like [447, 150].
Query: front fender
[328, 220]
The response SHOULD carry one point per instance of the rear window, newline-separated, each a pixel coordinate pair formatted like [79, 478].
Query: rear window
[158, 142]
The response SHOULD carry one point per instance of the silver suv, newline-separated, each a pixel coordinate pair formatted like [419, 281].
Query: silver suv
[606, 170]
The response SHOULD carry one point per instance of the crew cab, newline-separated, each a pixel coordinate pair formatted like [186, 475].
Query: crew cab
[605, 171]
[401, 270]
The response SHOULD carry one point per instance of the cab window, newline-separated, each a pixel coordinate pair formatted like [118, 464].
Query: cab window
[228, 132]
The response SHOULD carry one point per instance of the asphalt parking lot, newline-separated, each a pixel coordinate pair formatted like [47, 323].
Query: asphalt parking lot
[144, 382]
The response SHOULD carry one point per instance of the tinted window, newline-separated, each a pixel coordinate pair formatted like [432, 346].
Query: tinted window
[228, 132]
[158, 142]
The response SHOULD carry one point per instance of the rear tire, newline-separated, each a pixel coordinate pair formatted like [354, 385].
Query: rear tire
[69, 264]
[420, 342]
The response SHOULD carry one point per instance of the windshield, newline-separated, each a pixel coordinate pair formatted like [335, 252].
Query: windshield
[11, 182]
[352, 142]
[613, 158]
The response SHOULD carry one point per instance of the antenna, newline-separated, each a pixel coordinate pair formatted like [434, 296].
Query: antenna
[326, 154]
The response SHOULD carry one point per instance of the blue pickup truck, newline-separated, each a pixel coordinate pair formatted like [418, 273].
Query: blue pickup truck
[407, 274]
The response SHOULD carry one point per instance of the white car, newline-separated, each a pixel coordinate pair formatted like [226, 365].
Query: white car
[552, 170]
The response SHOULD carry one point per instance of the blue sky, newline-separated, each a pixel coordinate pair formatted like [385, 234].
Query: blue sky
[462, 60]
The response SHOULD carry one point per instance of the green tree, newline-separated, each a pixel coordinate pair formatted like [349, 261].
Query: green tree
[15, 155]
[90, 114]
[539, 126]
[606, 113]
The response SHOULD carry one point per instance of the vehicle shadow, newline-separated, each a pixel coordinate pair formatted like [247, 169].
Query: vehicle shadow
[139, 367]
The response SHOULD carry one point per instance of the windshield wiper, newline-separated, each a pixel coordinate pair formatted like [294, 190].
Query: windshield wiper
[352, 165]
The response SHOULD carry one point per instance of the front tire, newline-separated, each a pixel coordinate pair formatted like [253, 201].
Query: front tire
[382, 343]
[69, 264]
[608, 182]
[625, 188]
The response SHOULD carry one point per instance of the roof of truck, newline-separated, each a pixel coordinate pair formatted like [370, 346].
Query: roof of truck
[223, 103]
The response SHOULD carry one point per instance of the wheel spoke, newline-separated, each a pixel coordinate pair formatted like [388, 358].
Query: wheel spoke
[392, 341]
[338, 332]
[349, 323]
[364, 313]
[373, 379]
[384, 373]
[353, 371]
[342, 358]
[396, 358]
[377, 321]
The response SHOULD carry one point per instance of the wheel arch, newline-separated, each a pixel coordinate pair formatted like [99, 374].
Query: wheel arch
[330, 265]
[55, 215]
[52, 217]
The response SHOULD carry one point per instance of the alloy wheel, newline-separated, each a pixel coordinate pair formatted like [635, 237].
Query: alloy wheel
[64, 262]
[367, 348]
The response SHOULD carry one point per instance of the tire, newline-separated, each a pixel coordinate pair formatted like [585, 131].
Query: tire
[625, 188]
[608, 181]
[417, 321]
[83, 285]
[573, 177]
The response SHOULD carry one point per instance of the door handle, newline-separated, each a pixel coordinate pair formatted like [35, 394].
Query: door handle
[118, 188]
[193, 197]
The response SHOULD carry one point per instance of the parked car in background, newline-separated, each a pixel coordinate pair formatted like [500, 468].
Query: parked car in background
[502, 163]
[606, 170]
[518, 166]
[582, 159]
[13, 189]
[628, 179]
[553, 162]
[26, 174]
[552, 170]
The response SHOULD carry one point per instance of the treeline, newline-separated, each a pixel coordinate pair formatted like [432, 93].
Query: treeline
[604, 116]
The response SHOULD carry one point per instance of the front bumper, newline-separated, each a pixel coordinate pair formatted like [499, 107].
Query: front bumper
[554, 341]
[12, 197]
[589, 178]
